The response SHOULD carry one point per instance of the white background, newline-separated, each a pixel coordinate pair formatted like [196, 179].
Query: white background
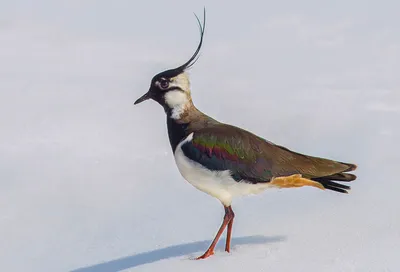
[88, 181]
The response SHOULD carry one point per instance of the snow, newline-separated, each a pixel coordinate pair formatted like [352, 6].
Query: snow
[88, 182]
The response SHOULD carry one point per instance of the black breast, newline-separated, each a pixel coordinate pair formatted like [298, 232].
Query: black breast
[176, 132]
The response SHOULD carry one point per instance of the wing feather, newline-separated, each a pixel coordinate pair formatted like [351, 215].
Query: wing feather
[253, 159]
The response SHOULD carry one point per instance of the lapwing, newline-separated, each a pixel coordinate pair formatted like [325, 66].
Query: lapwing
[225, 161]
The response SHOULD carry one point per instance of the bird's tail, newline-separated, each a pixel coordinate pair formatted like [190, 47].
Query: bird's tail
[328, 183]
[325, 182]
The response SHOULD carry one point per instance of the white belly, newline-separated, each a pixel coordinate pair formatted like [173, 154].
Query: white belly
[219, 184]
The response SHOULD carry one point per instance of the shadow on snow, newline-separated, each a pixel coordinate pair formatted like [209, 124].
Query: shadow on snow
[172, 251]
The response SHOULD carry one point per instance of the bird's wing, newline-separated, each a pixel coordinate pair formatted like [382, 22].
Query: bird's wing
[253, 159]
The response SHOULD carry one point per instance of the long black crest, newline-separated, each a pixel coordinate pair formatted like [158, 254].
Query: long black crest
[176, 71]
[195, 57]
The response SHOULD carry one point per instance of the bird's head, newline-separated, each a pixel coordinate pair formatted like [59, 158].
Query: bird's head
[171, 88]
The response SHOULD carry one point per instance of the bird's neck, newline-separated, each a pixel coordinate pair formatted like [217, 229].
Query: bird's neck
[179, 119]
[178, 104]
[176, 132]
[190, 120]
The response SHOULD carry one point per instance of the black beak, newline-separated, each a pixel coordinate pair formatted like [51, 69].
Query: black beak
[144, 97]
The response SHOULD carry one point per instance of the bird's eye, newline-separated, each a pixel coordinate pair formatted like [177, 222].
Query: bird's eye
[164, 83]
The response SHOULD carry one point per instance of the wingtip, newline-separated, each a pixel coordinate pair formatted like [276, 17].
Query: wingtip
[353, 167]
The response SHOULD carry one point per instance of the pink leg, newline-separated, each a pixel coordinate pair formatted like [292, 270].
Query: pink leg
[229, 231]
[227, 219]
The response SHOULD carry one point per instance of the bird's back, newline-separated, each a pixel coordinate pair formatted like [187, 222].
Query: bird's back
[251, 158]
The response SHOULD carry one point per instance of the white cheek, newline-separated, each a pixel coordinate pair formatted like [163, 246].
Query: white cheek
[181, 81]
[177, 101]
[175, 98]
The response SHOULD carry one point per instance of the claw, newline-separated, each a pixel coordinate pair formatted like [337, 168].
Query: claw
[205, 255]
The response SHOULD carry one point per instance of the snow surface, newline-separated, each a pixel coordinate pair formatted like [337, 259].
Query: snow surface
[88, 181]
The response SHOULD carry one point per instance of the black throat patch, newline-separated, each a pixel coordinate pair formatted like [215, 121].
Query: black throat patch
[176, 132]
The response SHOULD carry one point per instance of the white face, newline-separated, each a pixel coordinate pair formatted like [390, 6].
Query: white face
[178, 96]
[181, 81]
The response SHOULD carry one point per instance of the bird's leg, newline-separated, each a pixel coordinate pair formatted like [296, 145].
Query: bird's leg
[227, 218]
[229, 230]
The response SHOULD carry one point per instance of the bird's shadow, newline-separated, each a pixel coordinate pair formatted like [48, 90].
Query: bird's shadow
[172, 251]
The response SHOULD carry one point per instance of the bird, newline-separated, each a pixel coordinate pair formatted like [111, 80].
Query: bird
[226, 161]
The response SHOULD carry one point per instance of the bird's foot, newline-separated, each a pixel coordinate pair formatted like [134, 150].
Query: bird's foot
[207, 254]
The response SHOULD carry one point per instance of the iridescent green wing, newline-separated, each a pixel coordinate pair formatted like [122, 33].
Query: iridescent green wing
[253, 159]
[224, 147]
